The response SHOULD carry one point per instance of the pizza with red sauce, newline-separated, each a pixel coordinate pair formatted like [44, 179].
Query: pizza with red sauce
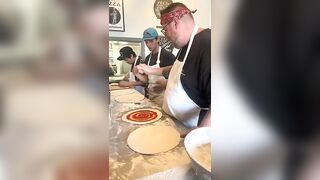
[142, 116]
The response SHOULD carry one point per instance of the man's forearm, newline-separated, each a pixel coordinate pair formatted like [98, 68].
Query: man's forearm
[131, 84]
[206, 122]
[124, 83]
[163, 71]
[142, 77]
[138, 83]
[166, 70]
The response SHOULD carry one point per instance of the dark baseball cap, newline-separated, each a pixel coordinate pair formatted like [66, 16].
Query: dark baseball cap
[126, 52]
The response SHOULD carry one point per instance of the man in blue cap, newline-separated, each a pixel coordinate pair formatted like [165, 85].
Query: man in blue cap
[158, 57]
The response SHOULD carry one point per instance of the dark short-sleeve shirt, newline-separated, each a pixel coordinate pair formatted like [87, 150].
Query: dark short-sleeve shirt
[166, 58]
[196, 73]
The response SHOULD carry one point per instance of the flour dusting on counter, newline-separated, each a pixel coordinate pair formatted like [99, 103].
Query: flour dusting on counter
[124, 163]
[202, 154]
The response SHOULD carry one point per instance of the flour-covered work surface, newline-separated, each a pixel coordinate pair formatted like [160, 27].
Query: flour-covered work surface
[125, 163]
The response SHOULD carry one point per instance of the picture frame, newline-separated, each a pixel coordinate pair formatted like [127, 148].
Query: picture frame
[116, 15]
[165, 43]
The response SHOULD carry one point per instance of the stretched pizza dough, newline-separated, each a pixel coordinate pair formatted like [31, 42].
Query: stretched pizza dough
[153, 139]
[122, 92]
[133, 97]
[115, 86]
[159, 115]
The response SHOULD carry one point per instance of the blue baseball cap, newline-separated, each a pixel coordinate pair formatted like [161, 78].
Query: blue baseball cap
[150, 33]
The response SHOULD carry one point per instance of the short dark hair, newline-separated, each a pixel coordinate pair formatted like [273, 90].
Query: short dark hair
[126, 52]
[172, 7]
[134, 54]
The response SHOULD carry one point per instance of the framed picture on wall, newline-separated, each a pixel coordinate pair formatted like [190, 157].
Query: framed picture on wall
[116, 16]
[165, 43]
[160, 5]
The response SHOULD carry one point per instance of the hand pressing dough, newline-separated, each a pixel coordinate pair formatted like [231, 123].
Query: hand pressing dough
[153, 139]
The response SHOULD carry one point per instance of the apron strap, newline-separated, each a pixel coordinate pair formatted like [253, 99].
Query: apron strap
[158, 57]
[149, 59]
[135, 61]
[194, 32]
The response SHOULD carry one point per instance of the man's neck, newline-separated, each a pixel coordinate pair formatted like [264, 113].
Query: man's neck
[155, 51]
[190, 28]
[135, 59]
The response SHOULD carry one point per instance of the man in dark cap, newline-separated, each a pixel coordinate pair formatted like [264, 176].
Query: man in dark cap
[127, 54]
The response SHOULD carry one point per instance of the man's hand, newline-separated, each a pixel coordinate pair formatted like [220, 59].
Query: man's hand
[143, 68]
[184, 134]
[160, 85]
[135, 70]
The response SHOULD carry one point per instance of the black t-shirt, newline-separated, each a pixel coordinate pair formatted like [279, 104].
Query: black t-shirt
[166, 58]
[196, 72]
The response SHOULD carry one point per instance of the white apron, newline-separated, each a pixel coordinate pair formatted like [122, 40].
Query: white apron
[176, 101]
[153, 96]
[132, 78]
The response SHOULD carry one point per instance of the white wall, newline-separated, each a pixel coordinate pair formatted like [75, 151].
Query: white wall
[139, 15]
